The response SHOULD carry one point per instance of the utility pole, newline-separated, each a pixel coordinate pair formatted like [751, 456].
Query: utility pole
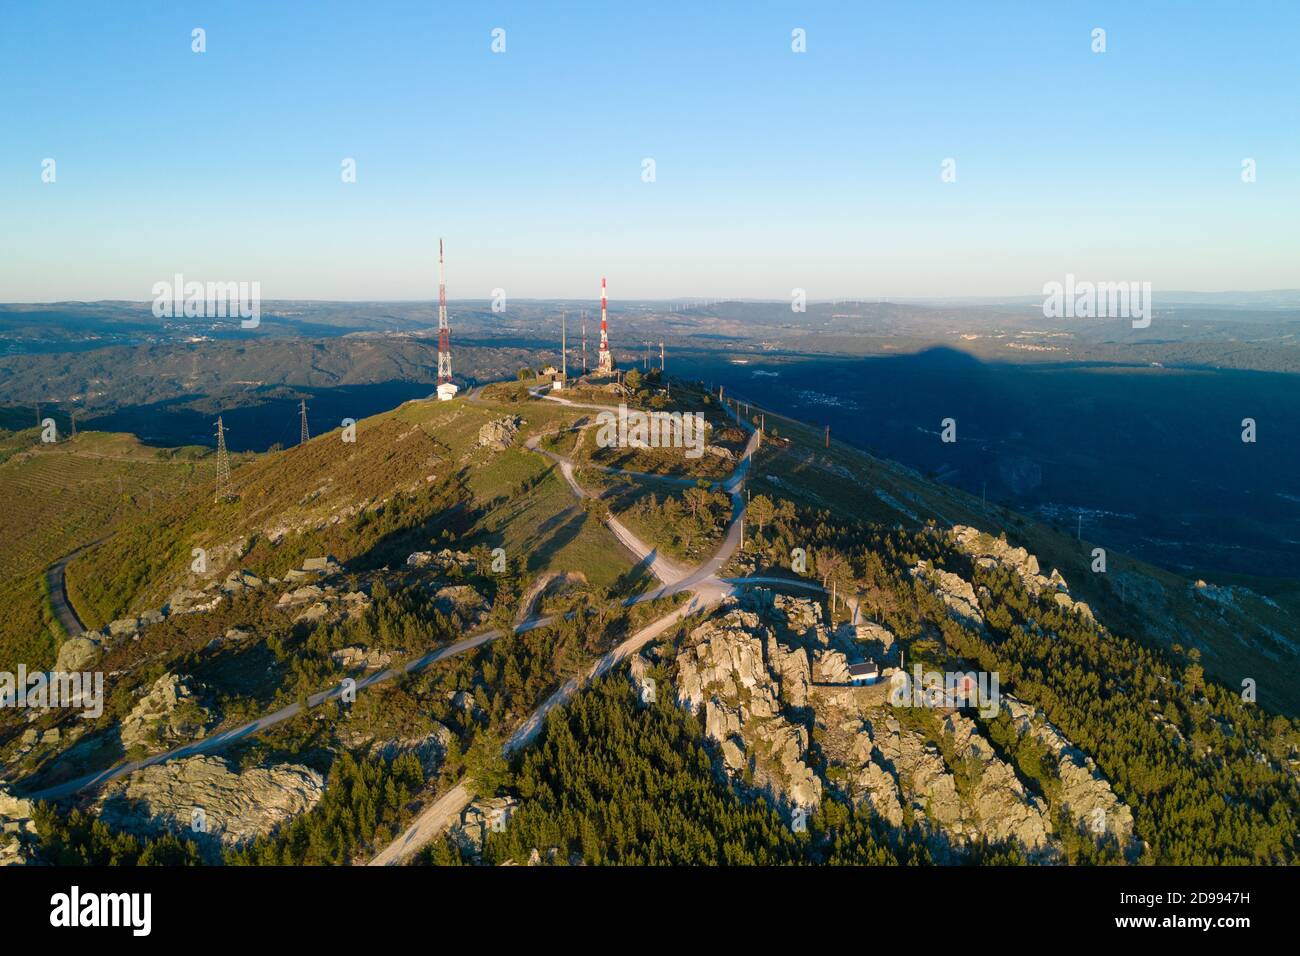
[1079, 534]
[302, 412]
[828, 436]
[223, 464]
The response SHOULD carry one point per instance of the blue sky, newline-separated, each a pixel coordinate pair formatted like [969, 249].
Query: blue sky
[774, 170]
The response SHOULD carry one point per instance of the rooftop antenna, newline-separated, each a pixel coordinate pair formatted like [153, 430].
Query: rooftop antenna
[223, 464]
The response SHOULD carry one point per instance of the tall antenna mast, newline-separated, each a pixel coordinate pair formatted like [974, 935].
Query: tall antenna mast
[661, 356]
[584, 343]
[604, 360]
[302, 413]
[444, 330]
[564, 348]
[223, 464]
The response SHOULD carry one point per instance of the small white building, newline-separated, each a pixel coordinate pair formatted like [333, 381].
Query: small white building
[447, 391]
[867, 672]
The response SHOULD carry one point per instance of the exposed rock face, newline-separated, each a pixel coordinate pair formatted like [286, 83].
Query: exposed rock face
[462, 604]
[1085, 793]
[955, 592]
[480, 818]
[763, 680]
[123, 627]
[18, 837]
[305, 594]
[352, 657]
[444, 560]
[235, 807]
[240, 580]
[430, 749]
[189, 601]
[78, 653]
[906, 778]
[723, 669]
[802, 616]
[500, 434]
[875, 641]
[990, 551]
[169, 714]
[314, 568]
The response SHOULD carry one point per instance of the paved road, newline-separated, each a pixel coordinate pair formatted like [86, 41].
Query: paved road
[56, 578]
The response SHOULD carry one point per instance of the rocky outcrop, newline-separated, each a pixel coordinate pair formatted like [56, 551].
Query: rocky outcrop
[500, 433]
[78, 653]
[990, 551]
[462, 605]
[351, 658]
[206, 800]
[874, 640]
[1084, 792]
[169, 714]
[430, 749]
[955, 592]
[800, 616]
[314, 568]
[190, 601]
[762, 680]
[18, 837]
[955, 787]
[240, 580]
[444, 560]
[483, 816]
[723, 670]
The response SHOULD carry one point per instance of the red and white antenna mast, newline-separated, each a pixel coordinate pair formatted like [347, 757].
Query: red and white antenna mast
[444, 330]
[605, 361]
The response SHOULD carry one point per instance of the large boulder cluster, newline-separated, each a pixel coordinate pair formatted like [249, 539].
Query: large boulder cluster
[990, 551]
[768, 676]
[18, 837]
[207, 800]
[169, 713]
[955, 591]
[724, 670]
[500, 433]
